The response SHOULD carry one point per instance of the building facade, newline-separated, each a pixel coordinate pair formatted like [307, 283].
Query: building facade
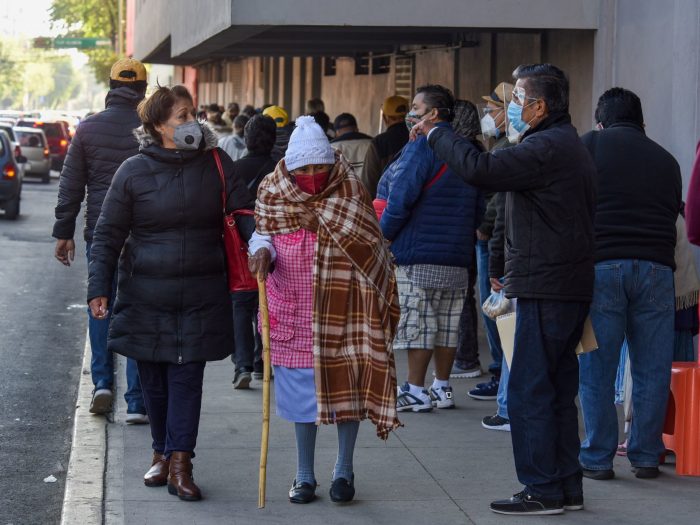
[353, 54]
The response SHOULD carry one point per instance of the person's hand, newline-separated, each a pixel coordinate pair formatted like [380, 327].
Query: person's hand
[421, 127]
[98, 307]
[496, 285]
[482, 236]
[65, 251]
[309, 221]
[259, 263]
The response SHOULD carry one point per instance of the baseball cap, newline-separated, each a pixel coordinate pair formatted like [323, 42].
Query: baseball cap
[278, 114]
[502, 95]
[395, 106]
[128, 70]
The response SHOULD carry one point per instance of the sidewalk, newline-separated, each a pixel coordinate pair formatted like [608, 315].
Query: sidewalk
[441, 468]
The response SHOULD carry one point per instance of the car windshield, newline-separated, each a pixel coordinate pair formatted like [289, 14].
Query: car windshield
[51, 129]
[27, 139]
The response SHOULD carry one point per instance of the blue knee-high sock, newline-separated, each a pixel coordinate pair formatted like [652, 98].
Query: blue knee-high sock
[347, 435]
[306, 446]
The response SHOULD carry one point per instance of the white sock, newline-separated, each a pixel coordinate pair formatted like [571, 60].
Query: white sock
[415, 390]
[439, 383]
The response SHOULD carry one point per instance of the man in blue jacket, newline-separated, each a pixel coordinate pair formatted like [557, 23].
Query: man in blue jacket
[549, 178]
[101, 143]
[430, 218]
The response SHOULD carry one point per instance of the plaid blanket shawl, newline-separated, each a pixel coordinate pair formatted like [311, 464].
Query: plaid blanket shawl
[355, 297]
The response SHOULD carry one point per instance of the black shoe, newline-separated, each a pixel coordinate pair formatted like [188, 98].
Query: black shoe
[598, 475]
[302, 492]
[241, 379]
[573, 502]
[523, 503]
[646, 472]
[342, 490]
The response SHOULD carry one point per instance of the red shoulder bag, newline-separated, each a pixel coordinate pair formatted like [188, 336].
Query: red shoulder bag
[239, 277]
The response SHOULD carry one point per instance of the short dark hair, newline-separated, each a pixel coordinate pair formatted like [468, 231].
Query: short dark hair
[157, 108]
[440, 98]
[249, 110]
[240, 121]
[315, 105]
[619, 105]
[260, 134]
[546, 82]
[139, 86]
[322, 119]
[234, 105]
[344, 120]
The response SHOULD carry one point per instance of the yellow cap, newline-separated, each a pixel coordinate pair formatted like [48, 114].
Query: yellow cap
[128, 70]
[278, 114]
[395, 106]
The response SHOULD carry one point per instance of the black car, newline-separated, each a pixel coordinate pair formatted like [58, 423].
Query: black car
[10, 177]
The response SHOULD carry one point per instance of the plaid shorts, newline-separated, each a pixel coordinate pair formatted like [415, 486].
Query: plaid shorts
[429, 316]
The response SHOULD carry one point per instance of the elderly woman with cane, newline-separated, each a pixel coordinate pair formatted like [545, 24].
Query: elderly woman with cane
[333, 304]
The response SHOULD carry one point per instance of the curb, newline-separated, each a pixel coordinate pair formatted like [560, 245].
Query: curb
[84, 494]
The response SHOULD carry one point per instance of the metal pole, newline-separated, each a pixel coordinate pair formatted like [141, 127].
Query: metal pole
[120, 28]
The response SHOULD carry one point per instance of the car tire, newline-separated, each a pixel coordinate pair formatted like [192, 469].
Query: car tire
[46, 178]
[12, 208]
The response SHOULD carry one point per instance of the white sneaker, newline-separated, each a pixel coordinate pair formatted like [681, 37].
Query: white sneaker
[406, 401]
[137, 419]
[442, 397]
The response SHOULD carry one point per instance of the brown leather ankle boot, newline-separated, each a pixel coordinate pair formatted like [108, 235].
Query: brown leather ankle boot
[157, 475]
[180, 480]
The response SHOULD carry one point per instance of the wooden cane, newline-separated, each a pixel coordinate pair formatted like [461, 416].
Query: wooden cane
[265, 318]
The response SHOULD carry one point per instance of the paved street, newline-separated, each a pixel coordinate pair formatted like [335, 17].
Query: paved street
[42, 334]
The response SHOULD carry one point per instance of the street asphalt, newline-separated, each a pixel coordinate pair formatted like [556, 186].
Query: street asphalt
[42, 335]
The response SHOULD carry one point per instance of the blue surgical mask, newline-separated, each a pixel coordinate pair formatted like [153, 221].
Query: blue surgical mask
[516, 125]
[188, 135]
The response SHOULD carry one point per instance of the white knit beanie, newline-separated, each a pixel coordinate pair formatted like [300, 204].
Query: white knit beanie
[308, 145]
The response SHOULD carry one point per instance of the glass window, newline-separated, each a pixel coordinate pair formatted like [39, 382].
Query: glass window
[27, 139]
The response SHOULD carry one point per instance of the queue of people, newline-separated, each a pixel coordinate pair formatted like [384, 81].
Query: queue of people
[375, 246]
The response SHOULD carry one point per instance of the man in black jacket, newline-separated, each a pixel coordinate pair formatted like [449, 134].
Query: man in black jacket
[101, 143]
[639, 198]
[260, 135]
[549, 269]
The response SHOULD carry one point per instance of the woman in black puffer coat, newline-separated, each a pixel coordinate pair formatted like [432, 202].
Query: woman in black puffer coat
[162, 221]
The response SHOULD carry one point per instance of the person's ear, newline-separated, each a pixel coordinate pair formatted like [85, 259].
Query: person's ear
[540, 108]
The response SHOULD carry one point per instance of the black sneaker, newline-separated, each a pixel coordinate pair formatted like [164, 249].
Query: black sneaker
[101, 401]
[342, 490]
[523, 503]
[242, 379]
[496, 422]
[487, 391]
[598, 475]
[302, 492]
[573, 502]
[646, 472]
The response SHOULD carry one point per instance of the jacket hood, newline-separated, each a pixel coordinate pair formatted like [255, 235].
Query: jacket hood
[123, 96]
[150, 146]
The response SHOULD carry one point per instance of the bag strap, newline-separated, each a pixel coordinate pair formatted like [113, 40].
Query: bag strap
[221, 176]
[436, 178]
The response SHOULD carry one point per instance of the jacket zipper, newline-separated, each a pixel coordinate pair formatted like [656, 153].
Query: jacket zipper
[182, 268]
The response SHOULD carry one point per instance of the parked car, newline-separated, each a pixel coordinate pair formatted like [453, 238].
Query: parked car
[10, 130]
[58, 136]
[10, 178]
[35, 148]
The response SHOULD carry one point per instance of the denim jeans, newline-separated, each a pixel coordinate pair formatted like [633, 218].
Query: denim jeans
[102, 360]
[467, 355]
[247, 353]
[635, 299]
[541, 393]
[482, 264]
[502, 396]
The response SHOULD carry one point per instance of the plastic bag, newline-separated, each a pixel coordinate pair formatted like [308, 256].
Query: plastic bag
[497, 304]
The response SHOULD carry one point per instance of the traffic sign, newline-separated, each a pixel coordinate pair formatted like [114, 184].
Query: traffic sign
[81, 43]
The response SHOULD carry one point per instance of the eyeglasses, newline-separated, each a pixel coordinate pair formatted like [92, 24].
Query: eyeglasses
[520, 96]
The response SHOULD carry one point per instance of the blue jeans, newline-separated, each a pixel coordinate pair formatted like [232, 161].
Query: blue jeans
[635, 299]
[482, 265]
[247, 353]
[502, 396]
[102, 360]
[541, 396]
